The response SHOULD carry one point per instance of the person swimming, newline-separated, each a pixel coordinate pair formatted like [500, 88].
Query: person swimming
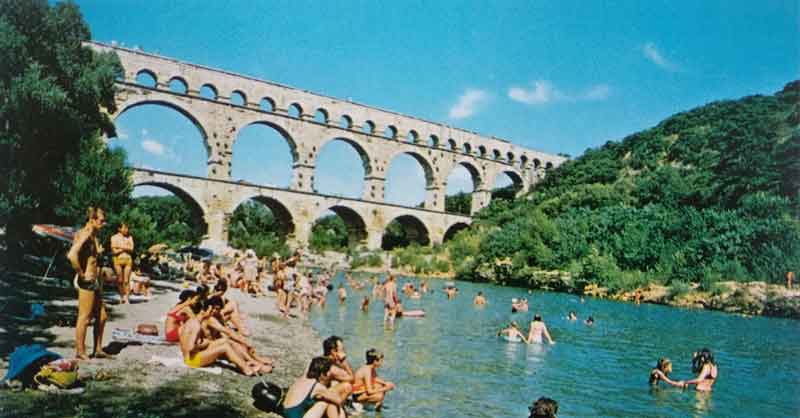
[661, 373]
[589, 320]
[479, 299]
[572, 316]
[703, 364]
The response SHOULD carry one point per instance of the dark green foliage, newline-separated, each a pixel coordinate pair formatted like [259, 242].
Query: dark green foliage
[395, 236]
[159, 219]
[458, 203]
[329, 233]
[253, 225]
[52, 89]
[707, 195]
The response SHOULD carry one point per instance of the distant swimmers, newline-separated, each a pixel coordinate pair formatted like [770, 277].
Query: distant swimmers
[512, 333]
[479, 299]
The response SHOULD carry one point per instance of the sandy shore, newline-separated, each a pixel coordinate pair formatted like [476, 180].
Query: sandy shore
[128, 385]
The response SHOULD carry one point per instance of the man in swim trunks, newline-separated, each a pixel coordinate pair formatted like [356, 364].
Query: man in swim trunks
[390, 299]
[122, 250]
[368, 388]
[341, 372]
[309, 395]
[83, 256]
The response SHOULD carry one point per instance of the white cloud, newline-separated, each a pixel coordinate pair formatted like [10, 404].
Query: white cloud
[597, 92]
[145, 132]
[541, 92]
[469, 103]
[154, 147]
[655, 56]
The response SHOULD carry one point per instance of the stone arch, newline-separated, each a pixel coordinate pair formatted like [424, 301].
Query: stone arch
[390, 132]
[196, 203]
[452, 144]
[467, 148]
[238, 98]
[482, 151]
[147, 73]
[510, 157]
[362, 152]
[356, 227]
[408, 176]
[368, 127]
[523, 161]
[168, 103]
[496, 154]
[321, 116]
[283, 216]
[246, 161]
[295, 111]
[415, 231]
[474, 172]
[454, 229]
[517, 180]
[433, 141]
[413, 136]
[178, 85]
[212, 92]
[267, 104]
[346, 122]
[536, 163]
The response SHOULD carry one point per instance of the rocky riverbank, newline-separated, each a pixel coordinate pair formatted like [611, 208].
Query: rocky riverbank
[128, 385]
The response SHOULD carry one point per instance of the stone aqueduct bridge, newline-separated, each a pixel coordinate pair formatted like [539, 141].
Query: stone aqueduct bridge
[307, 121]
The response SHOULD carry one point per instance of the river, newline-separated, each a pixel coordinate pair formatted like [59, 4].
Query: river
[451, 364]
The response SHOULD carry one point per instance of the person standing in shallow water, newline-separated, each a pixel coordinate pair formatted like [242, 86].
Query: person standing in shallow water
[83, 255]
[706, 368]
[661, 374]
[537, 330]
[479, 299]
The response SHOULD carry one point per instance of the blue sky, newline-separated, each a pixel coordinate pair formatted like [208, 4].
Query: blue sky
[557, 76]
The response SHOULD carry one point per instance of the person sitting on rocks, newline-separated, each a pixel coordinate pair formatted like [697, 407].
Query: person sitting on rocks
[230, 311]
[199, 350]
[368, 387]
[214, 328]
[310, 396]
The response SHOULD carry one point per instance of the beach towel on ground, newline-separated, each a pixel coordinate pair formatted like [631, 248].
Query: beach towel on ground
[129, 336]
[178, 362]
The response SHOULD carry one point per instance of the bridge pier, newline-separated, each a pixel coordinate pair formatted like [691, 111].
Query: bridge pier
[303, 177]
[374, 188]
[434, 197]
[217, 237]
[374, 239]
[480, 199]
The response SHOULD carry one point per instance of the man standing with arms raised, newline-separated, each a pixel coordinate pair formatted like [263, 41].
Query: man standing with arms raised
[83, 256]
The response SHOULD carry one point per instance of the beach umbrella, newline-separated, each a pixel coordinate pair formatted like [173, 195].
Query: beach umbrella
[25, 355]
[62, 233]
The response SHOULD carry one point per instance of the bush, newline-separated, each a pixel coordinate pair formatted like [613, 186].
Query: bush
[678, 289]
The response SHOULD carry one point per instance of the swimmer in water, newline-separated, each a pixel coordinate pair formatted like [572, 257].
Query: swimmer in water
[479, 299]
[589, 320]
[342, 293]
[537, 330]
[512, 332]
[661, 374]
[365, 304]
[703, 364]
[572, 316]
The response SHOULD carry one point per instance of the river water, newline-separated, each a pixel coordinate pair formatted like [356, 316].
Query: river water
[451, 364]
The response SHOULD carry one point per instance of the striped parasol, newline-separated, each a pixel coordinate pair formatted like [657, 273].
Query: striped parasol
[63, 233]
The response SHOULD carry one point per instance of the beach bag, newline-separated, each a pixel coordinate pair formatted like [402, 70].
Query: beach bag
[61, 373]
[147, 329]
[268, 397]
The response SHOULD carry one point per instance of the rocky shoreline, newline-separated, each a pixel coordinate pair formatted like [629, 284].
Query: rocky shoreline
[128, 385]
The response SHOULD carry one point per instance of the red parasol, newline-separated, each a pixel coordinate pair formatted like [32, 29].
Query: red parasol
[63, 233]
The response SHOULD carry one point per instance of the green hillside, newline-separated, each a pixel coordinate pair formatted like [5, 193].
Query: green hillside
[706, 195]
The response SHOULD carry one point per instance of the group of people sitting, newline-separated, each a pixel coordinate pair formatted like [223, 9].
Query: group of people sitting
[330, 383]
[210, 327]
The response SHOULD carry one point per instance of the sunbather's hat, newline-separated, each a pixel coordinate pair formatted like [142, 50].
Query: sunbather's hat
[26, 355]
[267, 396]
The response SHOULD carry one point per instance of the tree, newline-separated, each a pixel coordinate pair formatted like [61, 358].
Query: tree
[52, 90]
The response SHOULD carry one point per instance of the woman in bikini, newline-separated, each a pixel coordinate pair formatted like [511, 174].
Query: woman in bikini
[122, 250]
[310, 397]
[179, 314]
[703, 364]
[661, 374]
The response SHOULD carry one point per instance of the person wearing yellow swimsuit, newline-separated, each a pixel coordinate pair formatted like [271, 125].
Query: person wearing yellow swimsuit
[122, 249]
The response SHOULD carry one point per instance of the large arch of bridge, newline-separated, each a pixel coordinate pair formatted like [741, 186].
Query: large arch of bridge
[353, 220]
[193, 202]
[416, 231]
[284, 218]
[168, 103]
[453, 230]
[515, 176]
[409, 176]
[474, 173]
